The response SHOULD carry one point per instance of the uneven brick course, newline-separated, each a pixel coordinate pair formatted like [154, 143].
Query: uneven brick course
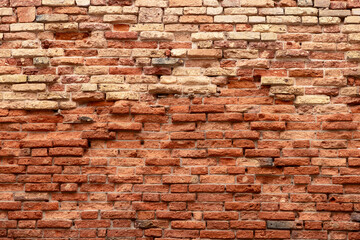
[179, 119]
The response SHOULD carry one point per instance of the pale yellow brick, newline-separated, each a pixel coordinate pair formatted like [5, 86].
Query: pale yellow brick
[184, 71]
[204, 44]
[143, 61]
[214, 10]
[329, 20]
[243, 35]
[240, 11]
[147, 27]
[349, 91]
[290, 90]
[355, 11]
[181, 28]
[83, 3]
[88, 87]
[353, 55]
[18, 95]
[141, 79]
[120, 18]
[318, 46]
[268, 36]
[352, 19]
[269, 28]
[41, 61]
[178, 52]
[37, 105]
[204, 53]
[305, 3]
[67, 105]
[253, 63]
[201, 36]
[148, 53]
[309, 20]
[91, 70]
[170, 19]
[257, 19]
[59, 3]
[139, 88]
[185, 3]
[194, 10]
[193, 80]
[6, 11]
[52, 18]
[166, 61]
[230, 3]
[147, 3]
[322, 3]
[240, 53]
[168, 79]
[332, 108]
[13, 78]
[12, 104]
[331, 81]
[301, 11]
[283, 19]
[350, 28]
[5, 53]
[154, 35]
[164, 88]
[29, 87]
[43, 78]
[61, 27]
[257, 3]
[230, 19]
[354, 37]
[334, 13]
[55, 52]
[102, 10]
[312, 99]
[220, 72]
[30, 44]
[114, 52]
[28, 53]
[174, 11]
[271, 11]
[206, 89]
[24, 27]
[107, 79]
[113, 96]
[211, 3]
[53, 96]
[130, 10]
[277, 81]
[113, 87]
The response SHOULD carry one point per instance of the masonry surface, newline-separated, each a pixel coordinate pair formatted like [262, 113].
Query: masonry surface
[179, 119]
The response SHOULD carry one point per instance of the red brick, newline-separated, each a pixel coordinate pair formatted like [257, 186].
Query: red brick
[54, 224]
[63, 151]
[188, 225]
[269, 234]
[121, 35]
[10, 205]
[24, 215]
[221, 215]
[217, 234]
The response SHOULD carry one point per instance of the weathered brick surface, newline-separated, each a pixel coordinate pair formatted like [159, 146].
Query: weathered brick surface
[179, 119]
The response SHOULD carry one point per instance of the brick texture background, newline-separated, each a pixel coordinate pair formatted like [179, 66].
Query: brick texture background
[179, 119]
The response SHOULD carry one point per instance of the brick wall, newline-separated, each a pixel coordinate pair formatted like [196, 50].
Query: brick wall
[179, 119]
